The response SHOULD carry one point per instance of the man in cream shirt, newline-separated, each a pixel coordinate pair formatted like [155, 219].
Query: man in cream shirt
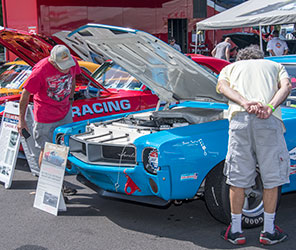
[255, 88]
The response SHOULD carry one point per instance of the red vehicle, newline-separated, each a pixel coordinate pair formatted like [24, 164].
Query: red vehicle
[91, 99]
[109, 90]
[210, 63]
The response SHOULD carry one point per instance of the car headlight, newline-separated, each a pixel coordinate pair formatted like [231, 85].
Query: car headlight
[150, 160]
[59, 139]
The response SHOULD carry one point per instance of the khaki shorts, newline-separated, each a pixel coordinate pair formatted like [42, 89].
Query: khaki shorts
[255, 142]
[43, 132]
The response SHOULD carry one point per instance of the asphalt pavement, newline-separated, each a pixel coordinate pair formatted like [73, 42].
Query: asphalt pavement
[92, 222]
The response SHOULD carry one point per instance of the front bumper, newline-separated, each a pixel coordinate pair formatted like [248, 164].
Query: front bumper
[120, 180]
[151, 200]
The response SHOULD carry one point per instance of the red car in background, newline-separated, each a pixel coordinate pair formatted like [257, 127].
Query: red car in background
[209, 63]
[109, 90]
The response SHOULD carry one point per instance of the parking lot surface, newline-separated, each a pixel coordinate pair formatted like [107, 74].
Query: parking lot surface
[92, 222]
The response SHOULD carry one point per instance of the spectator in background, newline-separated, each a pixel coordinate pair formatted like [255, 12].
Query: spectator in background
[173, 44]
[276, 46]
[222, 50]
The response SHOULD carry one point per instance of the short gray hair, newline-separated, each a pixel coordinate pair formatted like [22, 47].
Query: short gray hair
[250, 52]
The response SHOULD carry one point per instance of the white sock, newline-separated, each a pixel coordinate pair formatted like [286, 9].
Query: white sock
[236, 223]
[268, 225]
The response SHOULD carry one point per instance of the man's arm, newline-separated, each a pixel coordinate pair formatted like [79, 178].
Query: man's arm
[227, 53]
[224, 88]
[213, 52]
[269, 48]
[286, 49]
[179, 47]
[71, 97]
[25, 97]
[271, 52]
[284, 90]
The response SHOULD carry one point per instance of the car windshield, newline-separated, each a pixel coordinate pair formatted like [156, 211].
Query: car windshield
[12, 76]
[209, 70]
[113, 76]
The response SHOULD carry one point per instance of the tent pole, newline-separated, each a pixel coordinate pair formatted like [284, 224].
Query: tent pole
[261, 44]
[195, 45]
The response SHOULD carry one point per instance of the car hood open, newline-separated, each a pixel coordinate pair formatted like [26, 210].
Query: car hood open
[169, 73]
[32, 48]
[29, 47]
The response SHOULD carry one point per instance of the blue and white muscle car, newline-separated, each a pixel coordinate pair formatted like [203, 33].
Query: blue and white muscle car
[164, 156]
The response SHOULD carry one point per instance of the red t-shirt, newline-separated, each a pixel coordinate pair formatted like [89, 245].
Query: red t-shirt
[51, 90]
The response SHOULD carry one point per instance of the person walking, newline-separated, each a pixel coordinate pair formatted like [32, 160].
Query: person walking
[255, 88]
[276, 46]
[222, 50]
[52, 84]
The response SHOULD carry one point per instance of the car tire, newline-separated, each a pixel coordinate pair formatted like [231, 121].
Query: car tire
[217, 199]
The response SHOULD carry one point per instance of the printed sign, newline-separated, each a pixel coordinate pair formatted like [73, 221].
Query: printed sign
[9, 143]
[48, 194]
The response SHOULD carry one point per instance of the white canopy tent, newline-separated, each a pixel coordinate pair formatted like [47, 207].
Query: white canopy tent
[252, 13]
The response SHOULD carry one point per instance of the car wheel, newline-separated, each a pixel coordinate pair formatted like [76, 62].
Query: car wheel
[217, 199]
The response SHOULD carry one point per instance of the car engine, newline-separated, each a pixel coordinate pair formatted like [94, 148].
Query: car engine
[105, 141]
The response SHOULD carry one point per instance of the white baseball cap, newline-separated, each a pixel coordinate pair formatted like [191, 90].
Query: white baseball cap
[60, 54]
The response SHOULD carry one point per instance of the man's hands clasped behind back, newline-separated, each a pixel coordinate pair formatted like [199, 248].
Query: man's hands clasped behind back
[257, 108]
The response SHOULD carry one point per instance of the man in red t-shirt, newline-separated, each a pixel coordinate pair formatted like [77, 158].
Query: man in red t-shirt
[52, 84]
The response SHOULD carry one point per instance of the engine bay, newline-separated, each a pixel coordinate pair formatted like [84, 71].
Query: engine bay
[126, 130]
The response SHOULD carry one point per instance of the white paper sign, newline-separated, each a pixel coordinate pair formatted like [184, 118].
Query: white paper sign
[9, 142]
[48, 194]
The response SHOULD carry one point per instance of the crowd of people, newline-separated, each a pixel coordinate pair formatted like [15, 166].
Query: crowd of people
[276, 46]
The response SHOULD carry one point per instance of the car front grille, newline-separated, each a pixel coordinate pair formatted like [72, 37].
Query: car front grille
[97, 153]
[119, 153]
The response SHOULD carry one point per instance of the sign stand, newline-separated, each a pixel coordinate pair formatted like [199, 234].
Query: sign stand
[9, 143]
[31, 152]
[50, 182]
[62, 204]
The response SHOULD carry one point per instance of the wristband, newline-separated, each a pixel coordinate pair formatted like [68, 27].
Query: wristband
[272, 107]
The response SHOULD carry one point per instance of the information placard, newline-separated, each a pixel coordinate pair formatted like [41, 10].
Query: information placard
[48, 194]
[9, 142]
